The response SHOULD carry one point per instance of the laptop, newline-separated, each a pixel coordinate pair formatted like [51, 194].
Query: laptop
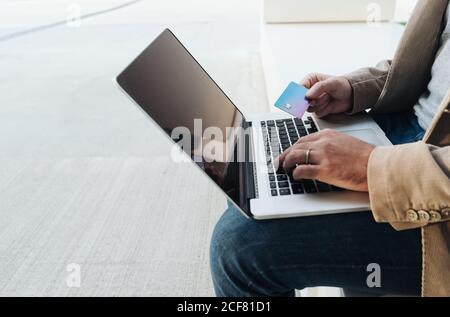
[236, 151]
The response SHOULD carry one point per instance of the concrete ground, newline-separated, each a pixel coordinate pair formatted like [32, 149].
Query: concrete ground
[85, 178]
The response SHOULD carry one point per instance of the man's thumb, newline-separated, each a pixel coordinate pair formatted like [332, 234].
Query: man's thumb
[320, 88]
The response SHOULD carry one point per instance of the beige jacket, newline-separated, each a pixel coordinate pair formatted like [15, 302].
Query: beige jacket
[409, 185]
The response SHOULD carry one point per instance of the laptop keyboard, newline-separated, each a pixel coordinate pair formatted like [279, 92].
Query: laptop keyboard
[278, 136]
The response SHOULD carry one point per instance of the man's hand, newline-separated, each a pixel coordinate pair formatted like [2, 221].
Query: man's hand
[334, 158]
[328, 94]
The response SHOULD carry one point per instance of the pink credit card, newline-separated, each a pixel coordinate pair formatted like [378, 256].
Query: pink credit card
[293, 100]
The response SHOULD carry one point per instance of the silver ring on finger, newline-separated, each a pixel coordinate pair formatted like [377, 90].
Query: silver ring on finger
[308, 152]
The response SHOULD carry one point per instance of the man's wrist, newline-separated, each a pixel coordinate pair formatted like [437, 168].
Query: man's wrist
[371, 148]
[349, 111]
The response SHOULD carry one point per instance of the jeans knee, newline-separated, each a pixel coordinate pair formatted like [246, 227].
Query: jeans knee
[227, 260]
[226, 238]
[243, 255]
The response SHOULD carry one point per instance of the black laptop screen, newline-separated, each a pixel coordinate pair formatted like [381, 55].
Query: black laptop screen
[177, 93]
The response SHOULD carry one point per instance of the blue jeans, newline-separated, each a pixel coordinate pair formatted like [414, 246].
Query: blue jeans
[275, 257]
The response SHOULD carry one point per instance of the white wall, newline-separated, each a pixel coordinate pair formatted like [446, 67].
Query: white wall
[291, 11]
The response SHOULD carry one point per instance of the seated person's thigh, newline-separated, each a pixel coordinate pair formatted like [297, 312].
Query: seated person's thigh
[274, 257]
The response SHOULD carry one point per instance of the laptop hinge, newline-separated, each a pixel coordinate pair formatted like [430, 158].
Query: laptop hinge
[249, 166]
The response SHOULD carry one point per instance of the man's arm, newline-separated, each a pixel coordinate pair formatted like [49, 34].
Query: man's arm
[409, 185]
[350, 93]
[367, 84]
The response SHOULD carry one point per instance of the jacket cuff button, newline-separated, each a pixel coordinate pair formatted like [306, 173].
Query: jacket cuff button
[423, 215]
[412, 215]
[445, 212]
[435, 216]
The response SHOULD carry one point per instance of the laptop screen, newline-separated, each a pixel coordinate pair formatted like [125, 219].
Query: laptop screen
[177, 93]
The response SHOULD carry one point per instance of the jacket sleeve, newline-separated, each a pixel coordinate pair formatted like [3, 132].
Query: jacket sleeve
[367, 84]
[409, 185]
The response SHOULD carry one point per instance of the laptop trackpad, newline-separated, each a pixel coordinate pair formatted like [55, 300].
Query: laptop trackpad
[367, 135]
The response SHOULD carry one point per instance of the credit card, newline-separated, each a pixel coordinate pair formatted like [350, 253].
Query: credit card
[293, 100]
